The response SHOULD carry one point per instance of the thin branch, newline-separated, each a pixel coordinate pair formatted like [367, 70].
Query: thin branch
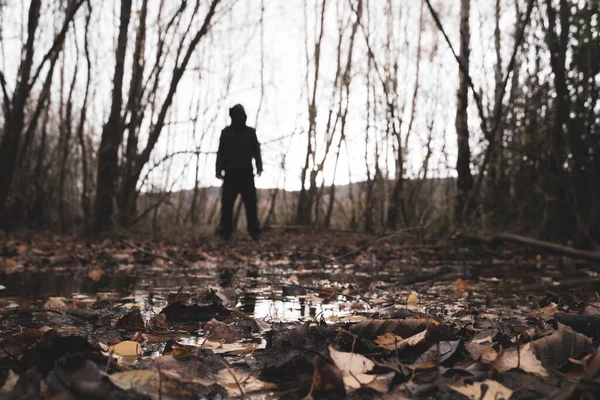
[463, 69]
[5, 94]
[156, 255]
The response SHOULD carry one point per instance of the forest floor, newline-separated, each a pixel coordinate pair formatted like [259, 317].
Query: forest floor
[299, 315]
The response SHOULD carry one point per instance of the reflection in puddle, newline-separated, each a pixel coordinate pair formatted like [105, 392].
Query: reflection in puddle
[294, 309]
[151, 295]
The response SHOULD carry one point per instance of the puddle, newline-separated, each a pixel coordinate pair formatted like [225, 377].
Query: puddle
[279, 303]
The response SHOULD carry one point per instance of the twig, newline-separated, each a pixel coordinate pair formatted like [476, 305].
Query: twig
[173, 260]
[242, 394]
[380, 239]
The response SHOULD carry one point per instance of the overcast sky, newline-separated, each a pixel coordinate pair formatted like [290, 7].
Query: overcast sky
[226, 70]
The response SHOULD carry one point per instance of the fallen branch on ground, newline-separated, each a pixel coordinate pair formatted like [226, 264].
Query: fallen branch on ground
[540, 244]
[156, 255]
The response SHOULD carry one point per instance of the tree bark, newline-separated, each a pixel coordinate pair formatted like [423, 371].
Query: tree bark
[112, 134]
[15, 117]
[464, 181]
[128, 195]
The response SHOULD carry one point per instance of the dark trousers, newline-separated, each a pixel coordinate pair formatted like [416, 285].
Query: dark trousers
[238, 182]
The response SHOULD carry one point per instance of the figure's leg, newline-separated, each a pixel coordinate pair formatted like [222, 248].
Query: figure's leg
[248, 191]
[228, 195]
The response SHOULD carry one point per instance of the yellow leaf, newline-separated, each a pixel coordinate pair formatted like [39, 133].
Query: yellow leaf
[127, 348]
[387, 339]
[412, 299]
[489, 355]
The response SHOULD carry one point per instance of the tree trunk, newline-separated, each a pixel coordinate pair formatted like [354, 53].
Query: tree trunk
[15, 117]
[464, 181]
[85, 191]
[129, 194]
[112, 134]
[127, 203]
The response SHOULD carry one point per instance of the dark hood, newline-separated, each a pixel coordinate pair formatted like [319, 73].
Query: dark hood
[238, 115]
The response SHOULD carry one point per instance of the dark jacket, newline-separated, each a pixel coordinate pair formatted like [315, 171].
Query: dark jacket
[238, 145]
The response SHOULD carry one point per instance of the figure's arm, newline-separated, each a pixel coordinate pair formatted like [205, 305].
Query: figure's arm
[256, 155]
[219, 164]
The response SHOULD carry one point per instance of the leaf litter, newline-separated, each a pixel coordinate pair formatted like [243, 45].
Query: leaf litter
[294, 317]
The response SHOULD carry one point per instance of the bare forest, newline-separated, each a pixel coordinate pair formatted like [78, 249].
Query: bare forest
[406, 144]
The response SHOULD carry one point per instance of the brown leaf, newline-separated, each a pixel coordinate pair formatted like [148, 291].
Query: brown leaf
[522, 358]
[127, 348]
[218, 331]
[402, 327]
[231, 378]
[489, 355]
[155, 384]
[556, 349]
[55, 303]
[132, 321]
[10, 382]
[138, 337]
[327, 377]
[159, 321]
[388, 340]
[96, 274]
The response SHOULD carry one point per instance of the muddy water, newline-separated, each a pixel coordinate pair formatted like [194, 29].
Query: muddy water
[151, 294]
[283, 292]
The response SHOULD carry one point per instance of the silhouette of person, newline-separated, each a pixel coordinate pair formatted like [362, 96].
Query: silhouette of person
[237, 147]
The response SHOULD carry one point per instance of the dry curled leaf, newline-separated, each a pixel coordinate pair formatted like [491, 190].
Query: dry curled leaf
[402, 327]
[219, 331]
[556, 349]
[96, 274]
[127, 348]
[232, 379]
[55, 303]
[523, 358]
[475, 391]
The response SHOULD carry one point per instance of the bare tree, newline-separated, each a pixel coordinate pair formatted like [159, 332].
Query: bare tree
[14, 107]
[112, 134]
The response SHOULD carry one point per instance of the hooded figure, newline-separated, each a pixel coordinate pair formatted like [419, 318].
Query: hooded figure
[237, 147]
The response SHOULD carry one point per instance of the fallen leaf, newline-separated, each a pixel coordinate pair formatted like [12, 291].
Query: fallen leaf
[405, 328]
[475, 391]
[489, 355]
[230, 348]
[132, 321]
[412, 299]
[461, 286]
[388, 340]
[350, 363]
[218, 331]
[523, 358]
[159, 321]
[475, 350]
[439, 352]
[155, 384]
[138, 337]
[55, 303]
[127, 348]
[556, 349]
[96, 274]
[10, 266]
[10, 382]
[230, 378]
